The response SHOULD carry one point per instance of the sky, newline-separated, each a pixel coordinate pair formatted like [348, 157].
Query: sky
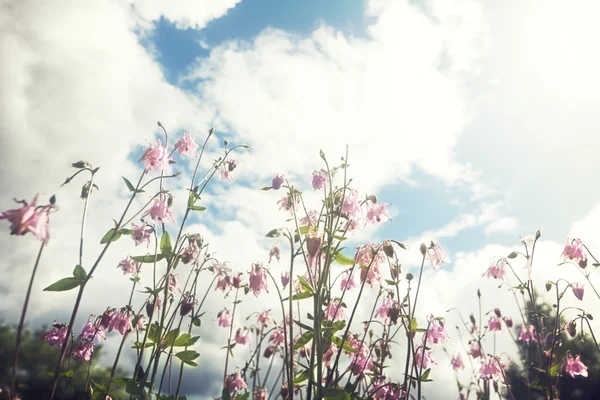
[475, 121]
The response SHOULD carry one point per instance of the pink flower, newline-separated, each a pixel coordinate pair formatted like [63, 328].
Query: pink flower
[423, 358]
[527, 334]
[575, 251]
[285, 278]
[227, 170]
[142, 233]
[364, 258]
[377, 213]
[234, 382]
[160, 210]
[242, 336]
[330, 354]
[578, 290]
[223, 283]
[490, 369]
[436, 332]
[188, 302]
[275, 252]
[277, 181]
[508, 321]
[259, 393]
[121, 322]
[334, 311]
[475, 350]
[224, 318]
[384, 308]
[190, 253]
[150, 304]
[83, 351]
[258, 279]
[287, 202]
[92, 331]
[269, 351]
[173, 283]
[348, 282]
[236, 282]
[57, 335]
[29, 218]
[437, 255]
[496, 269]
[313, 245]
[277, 337]
[457, 362]
[574, 367]
[495, 324]
[264, 318]
[310, 219]
[352, 205]
[186, 145]
[129, 266]
[155, 158]
[318, 180]
[361, 364]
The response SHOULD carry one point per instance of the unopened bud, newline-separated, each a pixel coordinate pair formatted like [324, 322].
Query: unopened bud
[508, 321]
[409, 277]
[226, 142]
[388, 249]
[572, 328]
[548, 286]
[423, 248]
[538, 234]
[472, 319]
[497, 312]
[80, 164]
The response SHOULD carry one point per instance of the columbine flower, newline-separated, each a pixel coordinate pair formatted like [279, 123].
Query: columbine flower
[83, 351]
[347, 282]
[285, 278]
[318, 180]
[277, 337]
[436, 332]
[334, 311]
[437, 255]
[352, 205]
[92, 331]
[150, 305]
[234, 382]
[475, 350]
[575, 251]
[496, 269]
[173, 282]
[121, 322]
[142, 233]
[242, 336]
[578, 290]
[224, 283]
[186, 145]
[188, 302]
[259, 393]
[364, 258]
[528, 240]
[495, 324]
[258, 279]
[423, 358]
[160, 210]
[29, 218]
[190, 253]
[129, 266]
[527, 334]
[310, 219]
[490, 369]
[572, 328]
[360, 364]
[155, 158]
[384, 308]
[377, 213]
[224, 318]
[457, 362]
[275, 252]
[227, 170]
[277, 181]
[574, 366]
[264, 318]
[287, 202]
[508, 321]
[57, 335]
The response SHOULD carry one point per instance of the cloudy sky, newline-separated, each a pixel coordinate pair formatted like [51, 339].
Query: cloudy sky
[476, 121]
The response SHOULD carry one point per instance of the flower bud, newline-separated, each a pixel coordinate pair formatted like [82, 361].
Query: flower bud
[409, 277]
[388, 249]
[497, 312]
[508, 321]
[538, 234]
[423, 248]
[572, 328]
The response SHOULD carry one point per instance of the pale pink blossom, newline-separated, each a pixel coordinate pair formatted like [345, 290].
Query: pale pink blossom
[287, 202]
[278, 180]
[330, 355]
[347, 282]
[310, 219]
[83, 351]
[259, 393]
[575, 251]
[227, 170]
[437, 256]
[129, 266]
[360, 364]
[234, 382]
[475, 350]
[29, 218]
[258, 279]
[160, 210]
[496, 269]
[277, 337]
[352, 205]
[423, 359]
[364, 258]
[190, 253]
[578, 290]
[269, 351]
[121, 322]
[490, 369]
[155, 158]
[92, 331]
[384, 308]
[285, 278]
[186, 145]
[224, 283]
[574, 366]
[275, 252]
[242, 336]
[527, 334]
[141, 233]
[224, 318]
[377, 213]
[264, 318]
[334, 311]
[436, 333]
[495, 324]
[57, 335]
[457, 362]
[237, 279]
[173, 283]
[318, 180]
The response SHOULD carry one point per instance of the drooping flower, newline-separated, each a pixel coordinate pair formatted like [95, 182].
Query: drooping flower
[436, 333]
[361, 364]
[495, 324]
[259, 393]
[92, 331]
[264, 318]
[186, 145]
[496, 269]
[578, 290]
[457, 362]
[224, 318]
[347, 282]
[129, 266]
[190, 253]
[310, 219]
[242, 336]
[227, 170]
[83, 351]
[121, 321]
[352, 207]
[334, 311]
[155, 158]
[287, 202]
[277, 337]
[141, 233]
[575, 251]
[437, 256]
[318, 180]
[423, 358]
[574, 366]
[377, 213]
[151, 303]
[384, 308]
[234, 382]
[237, 279]
[527, 334]
[330, 354]
[223, 283]
[57, 335]
[490, 369]
[475, 350]
[188, 302]
[278, 180]
[269, 351]
[258, 279]
[572, 328]
[285, 278]
[365, 258]
[275, 252]
[173, 283]
[528, 240]
[29, 218]
[508, 321]
[160, 210]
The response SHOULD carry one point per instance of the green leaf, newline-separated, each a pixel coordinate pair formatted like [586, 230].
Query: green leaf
[63, 285]
[166, 247]
[301, 377]
[303, 326]
[391, 283]
[343, 260]
[138, 345]
[171, 336]
[192, 363]
[413, 325]
[335, 394]
[267, 188]
[197, 321]
[302, 295]
[273, 233]
[340, 238]
[125, 231]
[347, 347]
[514, 254]
[197, 208]
[131, 187]
[153, 332]
[304, 229]
[186, 340]
[98, 386]
[109, 234]
[80, 273]
[304, 339]
[425, 375]
[149, 258]
[305, 285]
[187, 355]
[69, 374]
